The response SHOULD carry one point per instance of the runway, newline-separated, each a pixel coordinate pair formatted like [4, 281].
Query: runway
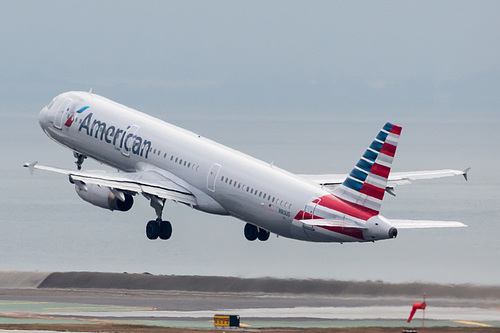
[57, 306]
[28, 303]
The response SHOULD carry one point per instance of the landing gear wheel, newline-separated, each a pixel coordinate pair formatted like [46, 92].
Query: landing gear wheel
[165, 230]
[251, 232]
[158, 228]
[152, 230]
[263, 235]
[79, 160]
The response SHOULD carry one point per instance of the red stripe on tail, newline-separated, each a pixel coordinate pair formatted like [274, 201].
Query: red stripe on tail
[388, 149]
[396, 129]
[372, 191]
[380, 170]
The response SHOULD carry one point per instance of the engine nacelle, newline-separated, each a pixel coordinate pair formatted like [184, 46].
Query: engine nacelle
[103, 197]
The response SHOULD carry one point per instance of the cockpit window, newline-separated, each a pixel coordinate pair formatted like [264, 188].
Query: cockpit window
[51, 103]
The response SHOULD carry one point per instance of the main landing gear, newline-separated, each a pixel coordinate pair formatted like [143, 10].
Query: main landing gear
[155, 229]
[252, 233]
[158, 228]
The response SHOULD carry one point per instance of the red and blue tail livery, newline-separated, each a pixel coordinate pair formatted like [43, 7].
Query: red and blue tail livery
[366, 183]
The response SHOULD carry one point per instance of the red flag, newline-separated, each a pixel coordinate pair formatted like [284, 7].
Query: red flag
[416, 306]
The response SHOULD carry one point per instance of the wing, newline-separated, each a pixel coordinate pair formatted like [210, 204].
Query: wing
[148, 182]
[418, 224]
[331, 181]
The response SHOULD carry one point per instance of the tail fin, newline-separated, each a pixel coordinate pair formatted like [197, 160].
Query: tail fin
[366, 183]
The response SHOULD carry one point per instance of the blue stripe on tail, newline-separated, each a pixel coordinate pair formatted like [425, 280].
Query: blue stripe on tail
[356, 186]
[359, 175]
[370, 155]
[376, 146]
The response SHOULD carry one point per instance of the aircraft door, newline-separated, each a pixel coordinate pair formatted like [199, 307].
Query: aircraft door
[310, 208]
[212, 176]
[62, 113]
[309, 214]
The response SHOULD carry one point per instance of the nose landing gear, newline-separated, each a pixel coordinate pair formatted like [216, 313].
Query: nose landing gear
[79, 160]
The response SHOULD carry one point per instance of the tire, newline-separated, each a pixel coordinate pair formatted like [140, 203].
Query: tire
[152, 230]
[263, 235]
[251, 232]
[165, 230]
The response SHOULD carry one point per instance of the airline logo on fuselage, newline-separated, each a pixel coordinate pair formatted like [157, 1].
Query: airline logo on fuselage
[121, 139]
[71, 119]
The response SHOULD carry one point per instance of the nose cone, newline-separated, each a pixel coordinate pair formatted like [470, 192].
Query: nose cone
[43, 117]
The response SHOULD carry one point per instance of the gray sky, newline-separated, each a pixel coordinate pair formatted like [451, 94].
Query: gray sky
[304, 84]
[319, 55]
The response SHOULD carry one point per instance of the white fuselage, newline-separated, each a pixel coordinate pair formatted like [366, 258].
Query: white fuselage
[223, 180]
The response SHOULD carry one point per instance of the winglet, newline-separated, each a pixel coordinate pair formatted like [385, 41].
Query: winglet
[31, 166]
[465, 173]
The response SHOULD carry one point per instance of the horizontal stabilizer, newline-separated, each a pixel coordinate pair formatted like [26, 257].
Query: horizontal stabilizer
[418, 224]
[395, 178]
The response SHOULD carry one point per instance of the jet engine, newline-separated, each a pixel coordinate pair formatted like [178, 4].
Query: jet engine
[104, 197]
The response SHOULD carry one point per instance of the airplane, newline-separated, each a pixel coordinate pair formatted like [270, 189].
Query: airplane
[165, 162]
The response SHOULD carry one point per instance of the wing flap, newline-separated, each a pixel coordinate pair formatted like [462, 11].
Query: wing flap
[420, 224]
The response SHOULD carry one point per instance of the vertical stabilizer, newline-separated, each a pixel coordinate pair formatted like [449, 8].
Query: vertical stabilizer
[365, 185]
